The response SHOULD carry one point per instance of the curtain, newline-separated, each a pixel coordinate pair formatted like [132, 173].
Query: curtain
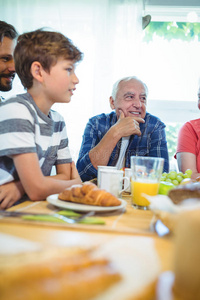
[108, 32]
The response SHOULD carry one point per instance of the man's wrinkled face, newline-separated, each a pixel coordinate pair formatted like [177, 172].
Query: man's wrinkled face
[131, 98]
[7, 67]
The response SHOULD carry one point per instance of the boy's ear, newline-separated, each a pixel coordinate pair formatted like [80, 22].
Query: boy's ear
[112, 102]
[36, 71]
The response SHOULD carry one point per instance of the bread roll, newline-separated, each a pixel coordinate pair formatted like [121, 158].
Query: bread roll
[88, 193]
[77, 276]
[182, 192]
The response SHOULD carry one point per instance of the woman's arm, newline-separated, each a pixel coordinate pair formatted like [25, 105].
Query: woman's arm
[186, 161]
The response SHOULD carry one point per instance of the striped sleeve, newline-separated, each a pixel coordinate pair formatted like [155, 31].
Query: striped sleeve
[16, 130]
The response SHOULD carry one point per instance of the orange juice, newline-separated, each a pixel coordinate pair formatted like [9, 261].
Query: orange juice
[139, 187]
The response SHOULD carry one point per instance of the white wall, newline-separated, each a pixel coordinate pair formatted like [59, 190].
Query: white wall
[110, 35]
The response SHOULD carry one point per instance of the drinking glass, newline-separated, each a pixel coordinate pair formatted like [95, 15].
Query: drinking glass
[146, 174]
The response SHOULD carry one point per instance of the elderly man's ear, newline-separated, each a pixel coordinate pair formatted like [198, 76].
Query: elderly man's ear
[112, 101]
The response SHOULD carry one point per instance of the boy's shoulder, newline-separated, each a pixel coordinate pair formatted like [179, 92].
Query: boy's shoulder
[17, 108]
[24, 104]
[20, 98]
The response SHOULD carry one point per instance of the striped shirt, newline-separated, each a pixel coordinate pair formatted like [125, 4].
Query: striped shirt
[25, 129]
[152, 142]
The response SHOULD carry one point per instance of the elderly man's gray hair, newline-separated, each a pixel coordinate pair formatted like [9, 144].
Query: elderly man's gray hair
[129, 78]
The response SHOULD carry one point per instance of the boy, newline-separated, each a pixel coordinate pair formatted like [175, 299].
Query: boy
[32, 136]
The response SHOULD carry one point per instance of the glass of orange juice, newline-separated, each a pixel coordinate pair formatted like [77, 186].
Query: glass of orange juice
[146, 174]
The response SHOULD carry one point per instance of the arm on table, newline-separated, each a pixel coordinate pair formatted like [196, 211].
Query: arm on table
[28, 168]
[13, 191]
[10, 193]
[66, 172]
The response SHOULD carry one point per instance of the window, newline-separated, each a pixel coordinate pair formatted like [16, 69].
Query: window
[170, 58]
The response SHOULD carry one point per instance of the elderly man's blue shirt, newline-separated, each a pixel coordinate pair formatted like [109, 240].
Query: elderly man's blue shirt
[152, 142]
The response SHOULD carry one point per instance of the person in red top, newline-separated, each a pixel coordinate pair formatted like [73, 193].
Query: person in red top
[188, 146]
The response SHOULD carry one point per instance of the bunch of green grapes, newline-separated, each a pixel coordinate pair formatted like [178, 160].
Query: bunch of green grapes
[176, 177]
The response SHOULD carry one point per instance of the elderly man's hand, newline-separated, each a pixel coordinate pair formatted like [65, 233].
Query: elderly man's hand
[10, 193]
[128, 125]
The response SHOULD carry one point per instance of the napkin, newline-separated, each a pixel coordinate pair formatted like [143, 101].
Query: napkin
[164, 203]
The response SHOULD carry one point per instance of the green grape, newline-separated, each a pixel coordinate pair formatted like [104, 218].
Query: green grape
[172, 175]
[175, 182]
[164, 175]
[168, 180]
[180, 173]
[179, 178]
[186, 176]
[188, 172]
[176, 178]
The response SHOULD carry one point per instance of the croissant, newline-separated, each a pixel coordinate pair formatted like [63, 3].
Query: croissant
[88, 193]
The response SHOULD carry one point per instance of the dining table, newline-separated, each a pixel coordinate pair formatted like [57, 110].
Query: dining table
[126, 236]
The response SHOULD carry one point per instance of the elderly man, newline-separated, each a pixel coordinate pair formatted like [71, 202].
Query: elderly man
[111, 139]
[8, 36]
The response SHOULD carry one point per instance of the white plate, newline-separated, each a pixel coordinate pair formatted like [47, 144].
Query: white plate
[53, 199]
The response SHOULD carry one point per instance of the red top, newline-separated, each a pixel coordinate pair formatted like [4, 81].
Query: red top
[189, 139]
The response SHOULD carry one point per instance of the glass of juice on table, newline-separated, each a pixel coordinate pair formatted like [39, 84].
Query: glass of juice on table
[146, 174]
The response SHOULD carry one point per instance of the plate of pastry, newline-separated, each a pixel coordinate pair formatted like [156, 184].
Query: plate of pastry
[86, 197]
[54, 200]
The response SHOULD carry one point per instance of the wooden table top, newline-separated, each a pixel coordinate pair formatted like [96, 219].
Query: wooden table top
[123, 231]
[129, 221]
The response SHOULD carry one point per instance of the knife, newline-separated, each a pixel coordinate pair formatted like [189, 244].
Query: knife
[161, 229]
[70, 220]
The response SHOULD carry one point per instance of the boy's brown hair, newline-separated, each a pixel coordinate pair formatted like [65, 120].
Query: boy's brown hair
[45, 47]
